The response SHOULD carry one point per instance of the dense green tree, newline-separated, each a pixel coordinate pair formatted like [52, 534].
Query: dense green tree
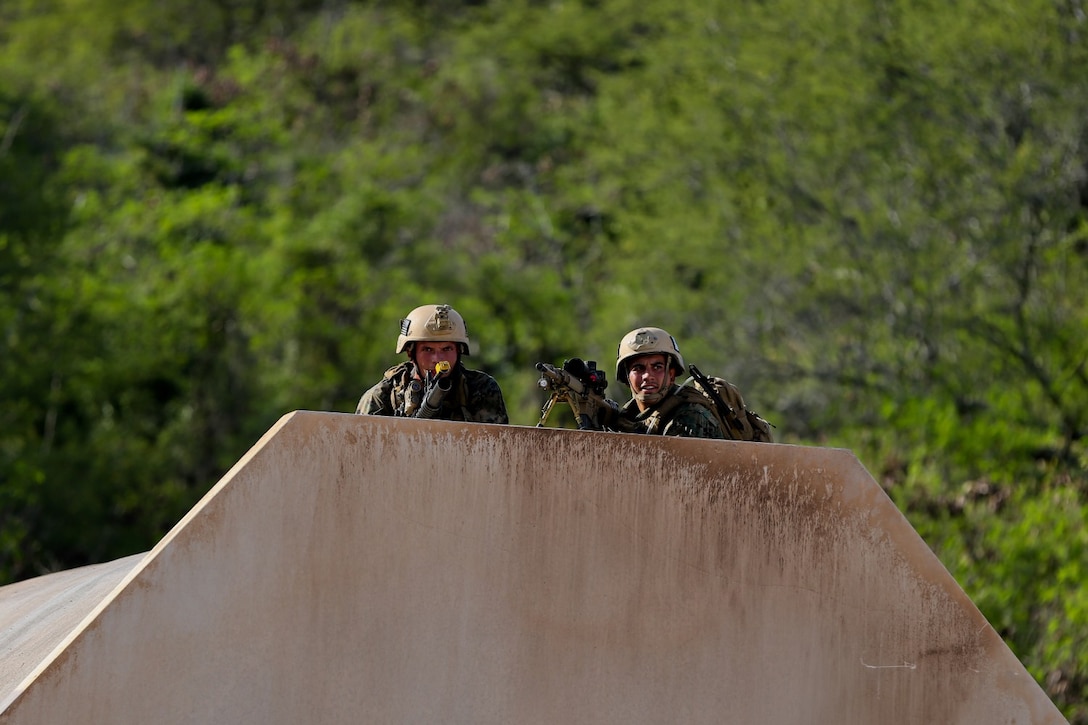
[870, 216]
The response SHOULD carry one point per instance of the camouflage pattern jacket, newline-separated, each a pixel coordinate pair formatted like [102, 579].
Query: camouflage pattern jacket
[676, 414]
[475, 396]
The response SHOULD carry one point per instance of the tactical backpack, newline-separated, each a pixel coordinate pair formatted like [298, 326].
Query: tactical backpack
[725, 402]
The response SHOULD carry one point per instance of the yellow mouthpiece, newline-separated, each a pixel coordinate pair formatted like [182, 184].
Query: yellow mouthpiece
[442, 367]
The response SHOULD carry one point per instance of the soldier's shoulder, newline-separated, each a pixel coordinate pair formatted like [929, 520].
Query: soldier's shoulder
[689, 396]
[697, 420]
[377, 400]
[480, 380]
[692, 411]
[398, 371]
[485, 398]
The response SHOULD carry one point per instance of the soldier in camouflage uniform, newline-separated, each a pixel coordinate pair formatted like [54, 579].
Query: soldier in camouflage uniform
[434, 382]
[648, 361]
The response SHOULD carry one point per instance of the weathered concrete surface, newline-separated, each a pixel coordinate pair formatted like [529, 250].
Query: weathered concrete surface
[356, 569]
[38, 615]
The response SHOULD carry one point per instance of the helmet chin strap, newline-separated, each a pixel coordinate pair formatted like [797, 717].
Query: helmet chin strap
[648, 399]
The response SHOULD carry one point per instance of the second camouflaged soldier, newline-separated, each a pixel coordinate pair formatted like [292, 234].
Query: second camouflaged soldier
[434, 382]
[648, 361]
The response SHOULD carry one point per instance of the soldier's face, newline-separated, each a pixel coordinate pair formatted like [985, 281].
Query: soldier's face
[649, 377]
[429, 354]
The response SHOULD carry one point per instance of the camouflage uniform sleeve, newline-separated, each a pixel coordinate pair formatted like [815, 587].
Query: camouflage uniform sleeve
[485, 401]
[377, 400]
[693, 421]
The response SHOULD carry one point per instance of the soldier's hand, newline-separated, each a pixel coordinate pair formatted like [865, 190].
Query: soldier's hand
[608, 415]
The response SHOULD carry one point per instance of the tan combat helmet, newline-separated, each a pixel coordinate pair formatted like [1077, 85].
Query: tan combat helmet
[433, 323]
[646, 341]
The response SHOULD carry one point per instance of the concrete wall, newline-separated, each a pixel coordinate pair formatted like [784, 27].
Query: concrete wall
[357, 569]
[39, 615]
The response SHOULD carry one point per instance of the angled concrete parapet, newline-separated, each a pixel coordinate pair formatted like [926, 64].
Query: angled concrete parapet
[358, 569]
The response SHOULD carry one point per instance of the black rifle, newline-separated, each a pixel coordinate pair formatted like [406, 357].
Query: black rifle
[725, 411]
[438, 384]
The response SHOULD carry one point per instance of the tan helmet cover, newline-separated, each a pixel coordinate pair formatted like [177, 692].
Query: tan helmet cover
[433, 323]
[646, 341]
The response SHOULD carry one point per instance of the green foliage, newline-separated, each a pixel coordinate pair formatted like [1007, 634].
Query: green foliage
[870, 217]
[1039, 553]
